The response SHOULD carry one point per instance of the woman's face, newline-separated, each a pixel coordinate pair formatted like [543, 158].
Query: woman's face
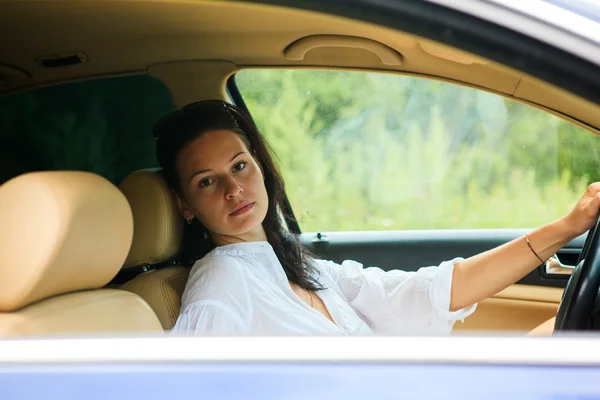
[223, 186]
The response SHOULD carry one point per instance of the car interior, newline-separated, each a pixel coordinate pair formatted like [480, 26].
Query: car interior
[86, 254]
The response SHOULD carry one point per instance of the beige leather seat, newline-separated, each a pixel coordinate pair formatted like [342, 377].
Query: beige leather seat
[158, 231]
[64, 235]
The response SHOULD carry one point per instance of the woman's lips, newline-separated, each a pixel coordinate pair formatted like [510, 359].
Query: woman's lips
[242, 210]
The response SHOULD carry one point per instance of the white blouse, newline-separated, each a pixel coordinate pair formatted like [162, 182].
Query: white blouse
[242, 289]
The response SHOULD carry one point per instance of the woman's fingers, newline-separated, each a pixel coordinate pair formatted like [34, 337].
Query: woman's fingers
[594, 188]
[583, 216]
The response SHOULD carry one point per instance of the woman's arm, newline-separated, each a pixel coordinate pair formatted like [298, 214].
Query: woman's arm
[485, 274]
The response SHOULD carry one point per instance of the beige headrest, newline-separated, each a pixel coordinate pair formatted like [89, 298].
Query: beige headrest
[158, 226]
[61, 232]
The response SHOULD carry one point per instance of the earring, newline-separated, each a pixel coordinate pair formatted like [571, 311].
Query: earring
[189, 220]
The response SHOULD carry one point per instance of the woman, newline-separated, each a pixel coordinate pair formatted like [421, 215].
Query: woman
[252, 277]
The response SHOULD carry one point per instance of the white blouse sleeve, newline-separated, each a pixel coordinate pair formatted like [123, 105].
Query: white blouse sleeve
[211, 318]
[400, 302]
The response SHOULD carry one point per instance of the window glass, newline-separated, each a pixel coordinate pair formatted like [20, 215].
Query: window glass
[369, 151]
[103, 126]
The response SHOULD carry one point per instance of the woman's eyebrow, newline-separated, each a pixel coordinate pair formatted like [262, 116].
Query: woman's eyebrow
[234, 157]
[208, 170]
[198, 173]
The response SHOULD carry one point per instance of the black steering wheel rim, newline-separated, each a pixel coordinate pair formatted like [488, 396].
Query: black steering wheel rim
[581, 291]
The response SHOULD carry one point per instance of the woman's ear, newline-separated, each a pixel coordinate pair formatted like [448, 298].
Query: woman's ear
[183, 209]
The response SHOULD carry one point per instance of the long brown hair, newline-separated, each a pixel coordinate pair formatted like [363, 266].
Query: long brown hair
[176, 130]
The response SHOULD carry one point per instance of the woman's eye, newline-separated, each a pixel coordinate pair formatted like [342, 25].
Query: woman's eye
[240, 166]
[204, 182]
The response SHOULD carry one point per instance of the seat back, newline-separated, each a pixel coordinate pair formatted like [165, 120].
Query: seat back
[158, 232]
[162, 290]
[64, 236]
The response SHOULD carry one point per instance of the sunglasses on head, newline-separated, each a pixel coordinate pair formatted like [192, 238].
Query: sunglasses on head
[174, 117]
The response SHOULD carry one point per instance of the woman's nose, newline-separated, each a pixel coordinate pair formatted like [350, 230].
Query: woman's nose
[232, 189]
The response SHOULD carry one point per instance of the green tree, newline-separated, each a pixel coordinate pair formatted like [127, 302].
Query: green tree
[364, 151]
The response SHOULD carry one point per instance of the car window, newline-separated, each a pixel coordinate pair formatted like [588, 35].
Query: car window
[103, 126]
[370, 151]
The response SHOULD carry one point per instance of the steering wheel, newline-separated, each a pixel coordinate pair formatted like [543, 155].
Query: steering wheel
[579, 297]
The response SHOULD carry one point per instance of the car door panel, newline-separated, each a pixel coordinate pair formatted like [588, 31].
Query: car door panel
[517, 308]
[520, 307]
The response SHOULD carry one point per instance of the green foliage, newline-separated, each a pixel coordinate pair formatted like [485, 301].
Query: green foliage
[363, 151]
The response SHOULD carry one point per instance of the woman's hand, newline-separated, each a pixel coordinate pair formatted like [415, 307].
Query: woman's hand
[585, 213]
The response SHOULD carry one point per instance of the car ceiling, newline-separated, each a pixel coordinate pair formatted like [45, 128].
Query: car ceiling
[204, 42]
